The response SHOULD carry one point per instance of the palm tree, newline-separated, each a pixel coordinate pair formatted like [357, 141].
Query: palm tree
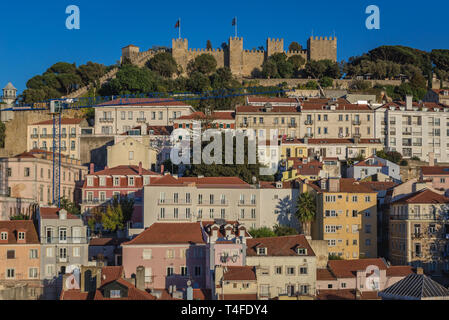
[306, 211]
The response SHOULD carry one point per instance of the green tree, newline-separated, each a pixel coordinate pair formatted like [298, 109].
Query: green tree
[20, 216]
[113, 219]
[306, 211]
[90, 72]
[61, 68]
[297, 62]
[164, 64]
[392, 156]
[70, 207]
[294, 46]
[126, 205]
[204, 63]
[263, 232]
[284, 231]
[326, 82]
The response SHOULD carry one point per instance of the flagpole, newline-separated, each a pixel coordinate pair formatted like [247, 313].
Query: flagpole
[236, 27]
[179, 28]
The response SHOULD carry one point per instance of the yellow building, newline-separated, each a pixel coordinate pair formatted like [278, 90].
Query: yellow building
[40, 136]
[130, 151]
[303, 169]
[346, 217]
[293, 148]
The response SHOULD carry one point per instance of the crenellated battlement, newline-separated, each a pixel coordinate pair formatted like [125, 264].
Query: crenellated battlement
[241, 61]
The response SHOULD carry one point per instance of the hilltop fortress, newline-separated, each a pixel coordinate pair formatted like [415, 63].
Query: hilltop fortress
[241, 62]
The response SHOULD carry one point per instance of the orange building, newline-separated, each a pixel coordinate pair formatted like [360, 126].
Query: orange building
[19, 260]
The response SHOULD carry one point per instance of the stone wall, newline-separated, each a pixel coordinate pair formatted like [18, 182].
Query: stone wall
[338, 83]
[94, 150]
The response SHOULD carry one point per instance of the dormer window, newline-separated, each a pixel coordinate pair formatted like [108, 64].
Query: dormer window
[115, 294]
[102, 181]
[4, 236]
[21, 235]
[90, 181]
[262, 251]
[131, 181]
[301, 251]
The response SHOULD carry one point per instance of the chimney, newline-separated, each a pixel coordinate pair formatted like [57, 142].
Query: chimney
[140, 168]
[419, 270]
[431, 159]
[140, 278]
[408, 102]
[92, 168]
[162, 169]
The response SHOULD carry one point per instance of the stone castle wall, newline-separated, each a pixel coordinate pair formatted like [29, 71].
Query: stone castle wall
[241, 62]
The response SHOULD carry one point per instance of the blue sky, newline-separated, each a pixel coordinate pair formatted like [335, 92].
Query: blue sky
[33, 35]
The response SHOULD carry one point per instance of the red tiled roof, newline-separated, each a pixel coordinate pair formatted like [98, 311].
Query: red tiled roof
[430, 105]
[106, 241]
[222, 233]
[239, 273]
[399, 271]
[439, 170]
[169, 180]
[216, 115]
[73, 294]
[124, 170]
[169, 233]
[133, 293]
[144, 102]
[64, 121]
[423, 196]
[111, 273]
[348, 268]
[275, 109]
[342, 141]
[279, 246]
[14, 226]
[272, 185]
[53, 213]
[324, 274]
[271, 99]
[338, 106]
[379, 185]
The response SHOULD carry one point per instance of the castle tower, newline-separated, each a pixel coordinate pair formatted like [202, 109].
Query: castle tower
[322, 49]
[180, 48]
[274, 46]
[9, 99]
[130, 52]
[236, 55]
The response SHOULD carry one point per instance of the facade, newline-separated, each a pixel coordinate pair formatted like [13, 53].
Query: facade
[131, 152]
[218, 119]
[171, 199]
[362, 275]
[415, 129]
[9, 99]
[121, 115]
[346, 216]
[64, 246]
[285, 266]
[241, 62]
[236, 283]
[101, 187]
[171, 254]
[20, 255]
[40, 136]
[372, 166]
[29, 175]
[419, 231]
[437, 175]
[438, 96]
[342, 149]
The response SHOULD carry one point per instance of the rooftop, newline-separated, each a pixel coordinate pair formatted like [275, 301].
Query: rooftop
[147, 102]
[439, 170]
[423, 196]
[239, 273]
[64, 121]
[125, 170]
[13, 227]
[279, 246]
[207, 182]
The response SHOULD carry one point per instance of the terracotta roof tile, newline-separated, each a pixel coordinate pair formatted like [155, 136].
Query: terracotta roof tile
[279, 246]
[169, 233]
[14, 226]
[423, 196]
[124, 170]
[439, 170]
[144, 102]
[275, 109]
[169, 180]
[399, 271]
[239, 273]
[64, 121]
[348, 268]
[53, 213]
[324, 274]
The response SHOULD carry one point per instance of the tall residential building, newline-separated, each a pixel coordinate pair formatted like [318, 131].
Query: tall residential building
[101, 187]
[20, 255]
[29, 175]
[188, 199]
[346, 216]
[419, 231]
[40, 136]
[121, 115]
[415, 129]
[64, 247]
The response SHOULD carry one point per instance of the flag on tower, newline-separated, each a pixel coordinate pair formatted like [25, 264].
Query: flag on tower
[234, 21]
[178, 24]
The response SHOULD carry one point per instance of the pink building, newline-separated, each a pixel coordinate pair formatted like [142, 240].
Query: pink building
[102, 186]
[438, 175]
[171, 253]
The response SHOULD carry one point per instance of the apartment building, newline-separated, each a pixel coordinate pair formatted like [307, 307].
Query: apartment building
[65, 246]
[437, 175]
[346, 216]
[374, 165]
[415, 129]
[189, 199]
[29, 175]
[285, 266]
[437, 96]
[131, 152]
[40, 136]
[170, 253]
[419, 231]
[336, 119]
[218, 119]
[260, 101]
[101, 187]
[20, 255]
[236, 283]
[121, 115]
[342, 149]
[361, 278]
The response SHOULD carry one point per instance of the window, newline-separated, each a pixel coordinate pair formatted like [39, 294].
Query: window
[368, 242]
[115, 294]
[49, 270]
[170, 254]
[175, 213]
[367, 228]
[49, 252]
[184, 271]
[4, 236]
[148, 275]
[197, 271]
[278, 270]
[301, 251]
[102, 181]
[290, 271]
[10, 254]
[33, 254]
[187, 213]
[262, 251]
[354, 198]
[170, 271]
[131, 181]
[116, 181]
[27, 172]
[10, 273]
[330, 198]
[77, 252]
[162, 213]
[253, 213]
[131, 155]
[367, 199]
[343, 284]
[32, 273]
[302, 270]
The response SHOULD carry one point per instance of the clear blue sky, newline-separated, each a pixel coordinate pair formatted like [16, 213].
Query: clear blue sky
[33, 34]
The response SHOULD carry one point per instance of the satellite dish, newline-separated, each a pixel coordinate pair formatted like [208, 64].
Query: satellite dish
[254, 179]
[189, 283]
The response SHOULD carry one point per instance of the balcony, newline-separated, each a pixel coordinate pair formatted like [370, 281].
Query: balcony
[213, 203]
[34, 136]
[66, 240]
[308, 135]
[308, 122]
[417, 235]
[243, 125]
[356, 135]
[45, 136]
[106, 120]
[406, 133]
[174, 201]
[241, 203]
[292, 125]
[356, 122]
[141, 120]
[72, 135]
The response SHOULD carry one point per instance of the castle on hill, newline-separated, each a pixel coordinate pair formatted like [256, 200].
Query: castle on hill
[242, 62]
